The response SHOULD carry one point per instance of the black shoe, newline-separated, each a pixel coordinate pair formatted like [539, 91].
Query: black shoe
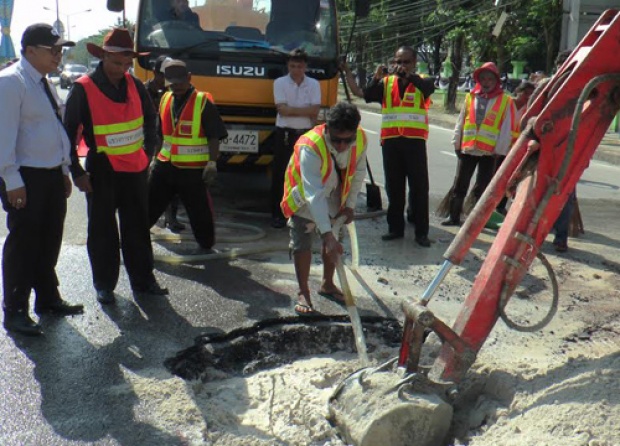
[60, 308]
[106, 297]
[450, 222]
[175, 226]
[278, 222]
[153, 289]
[392, 236]
[20, 322]
[423, 241]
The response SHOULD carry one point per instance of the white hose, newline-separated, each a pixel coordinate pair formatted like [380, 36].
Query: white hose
[228, 254]
[258, 234]
[355, 252]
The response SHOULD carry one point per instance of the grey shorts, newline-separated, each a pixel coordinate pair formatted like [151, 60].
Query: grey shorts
[302, 232]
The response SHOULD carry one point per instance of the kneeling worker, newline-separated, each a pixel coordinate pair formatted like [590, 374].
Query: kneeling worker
[323, 177]
[191, 129]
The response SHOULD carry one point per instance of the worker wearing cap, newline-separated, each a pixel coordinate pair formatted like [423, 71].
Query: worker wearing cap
[34, 167]
[191, 130]
[118, 120]
[156, 88]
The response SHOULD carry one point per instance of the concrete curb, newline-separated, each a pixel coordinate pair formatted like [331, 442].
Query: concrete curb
[608, 150]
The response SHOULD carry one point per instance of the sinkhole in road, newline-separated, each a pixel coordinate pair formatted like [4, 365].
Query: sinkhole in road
[276, 342]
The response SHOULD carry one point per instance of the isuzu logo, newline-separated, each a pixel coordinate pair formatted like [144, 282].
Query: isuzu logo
[240, 70]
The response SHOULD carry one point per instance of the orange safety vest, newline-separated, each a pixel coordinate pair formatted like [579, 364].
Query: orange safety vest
[185, 145]
[294, 197]
[485, 137]
[118, 127]
[406, 118]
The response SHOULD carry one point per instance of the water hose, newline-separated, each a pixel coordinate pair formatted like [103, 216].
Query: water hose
[356, 323]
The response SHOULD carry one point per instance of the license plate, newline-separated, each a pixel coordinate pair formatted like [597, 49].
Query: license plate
[240, 141]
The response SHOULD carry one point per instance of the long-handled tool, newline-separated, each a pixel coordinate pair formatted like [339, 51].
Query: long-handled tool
[356, 322]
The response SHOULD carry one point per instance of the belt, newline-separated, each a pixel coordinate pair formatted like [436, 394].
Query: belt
[46, 169]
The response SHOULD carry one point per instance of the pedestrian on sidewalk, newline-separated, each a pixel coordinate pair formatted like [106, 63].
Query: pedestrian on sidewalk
[34, 167]
[191, 128]
[298, 100]
[323, 178]
[119, 128]
[404, 97]
[486, 127]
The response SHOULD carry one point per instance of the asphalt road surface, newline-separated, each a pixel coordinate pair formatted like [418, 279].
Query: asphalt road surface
[99, 378]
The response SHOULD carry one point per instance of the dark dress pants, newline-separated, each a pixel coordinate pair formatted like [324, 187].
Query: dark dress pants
[165, 182]
[284, 145]
[33, 244]
[405, 162]
[465, 170]
[125, 192]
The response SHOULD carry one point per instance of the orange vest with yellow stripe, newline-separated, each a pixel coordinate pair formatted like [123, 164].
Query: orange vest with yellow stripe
[406, 117]
[185, 144]
[485, 137]
[294, 197]
[118, 127]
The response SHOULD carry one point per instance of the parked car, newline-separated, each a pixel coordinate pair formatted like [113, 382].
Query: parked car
[70, 73]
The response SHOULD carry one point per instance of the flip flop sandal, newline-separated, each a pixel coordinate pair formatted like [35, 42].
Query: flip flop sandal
[304, 310]
[332, 297]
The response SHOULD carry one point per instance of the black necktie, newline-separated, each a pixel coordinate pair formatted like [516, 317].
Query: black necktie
[50, 96]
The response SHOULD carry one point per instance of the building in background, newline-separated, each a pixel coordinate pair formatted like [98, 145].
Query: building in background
[579, 16]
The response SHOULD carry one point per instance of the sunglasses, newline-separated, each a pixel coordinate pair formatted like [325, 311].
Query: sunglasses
[336, 140]
[403, 62]
[55, 50]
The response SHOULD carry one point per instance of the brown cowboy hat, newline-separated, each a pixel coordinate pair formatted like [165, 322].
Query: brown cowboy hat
[118, 40]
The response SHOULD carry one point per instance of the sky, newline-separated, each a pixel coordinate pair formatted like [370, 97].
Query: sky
[83, 24]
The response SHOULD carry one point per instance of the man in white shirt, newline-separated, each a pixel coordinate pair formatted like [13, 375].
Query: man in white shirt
[34, 167]
[298, 100]
[323, 179]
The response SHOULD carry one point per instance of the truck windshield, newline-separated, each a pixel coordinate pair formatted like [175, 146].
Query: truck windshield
[213, 26]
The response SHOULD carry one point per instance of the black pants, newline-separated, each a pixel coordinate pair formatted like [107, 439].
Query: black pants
[405, 162]
[465, 170]
[284, 144]
[35, 236]
[165, 182]
[125, 192]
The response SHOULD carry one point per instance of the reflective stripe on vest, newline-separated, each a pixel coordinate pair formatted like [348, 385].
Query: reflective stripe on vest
[185, 145]
[118, 128]
[484, 137]
[407, 117]
[294, 196]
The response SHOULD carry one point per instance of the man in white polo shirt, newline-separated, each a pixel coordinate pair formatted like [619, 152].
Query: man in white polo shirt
[298, 100]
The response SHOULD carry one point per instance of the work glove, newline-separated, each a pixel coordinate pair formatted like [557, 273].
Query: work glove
[209, 174]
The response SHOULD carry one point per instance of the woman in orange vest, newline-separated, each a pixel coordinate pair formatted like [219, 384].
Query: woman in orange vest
[485, 128]
[321, 183]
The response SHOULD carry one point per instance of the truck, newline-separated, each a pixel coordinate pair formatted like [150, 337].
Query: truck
[235, 49]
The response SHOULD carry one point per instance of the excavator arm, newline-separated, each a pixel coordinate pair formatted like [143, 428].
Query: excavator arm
[563, 126]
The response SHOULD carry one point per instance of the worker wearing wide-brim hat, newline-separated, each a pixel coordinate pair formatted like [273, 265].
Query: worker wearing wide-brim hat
[119, 127]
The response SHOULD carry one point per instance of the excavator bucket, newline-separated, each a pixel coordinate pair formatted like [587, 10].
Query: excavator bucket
[562, 129]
